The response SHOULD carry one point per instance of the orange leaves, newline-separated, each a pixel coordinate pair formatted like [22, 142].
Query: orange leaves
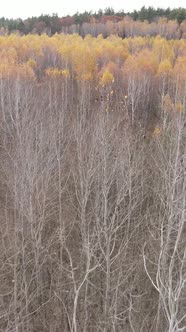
[92, 59]
[147, 62]
[130, 66]
[112, 67]
[144, 62]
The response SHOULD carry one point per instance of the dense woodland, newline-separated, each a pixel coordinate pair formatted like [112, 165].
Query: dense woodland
[146, 21]
[93, 183]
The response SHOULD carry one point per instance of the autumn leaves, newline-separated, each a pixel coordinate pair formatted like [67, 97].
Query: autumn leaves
[134, 66]
[90, 58]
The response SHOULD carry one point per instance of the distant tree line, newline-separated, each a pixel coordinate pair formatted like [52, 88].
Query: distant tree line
[51, 24]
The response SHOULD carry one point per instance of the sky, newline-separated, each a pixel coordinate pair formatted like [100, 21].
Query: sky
[24, 9]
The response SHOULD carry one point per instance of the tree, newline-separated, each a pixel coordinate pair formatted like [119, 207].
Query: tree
[169, 279]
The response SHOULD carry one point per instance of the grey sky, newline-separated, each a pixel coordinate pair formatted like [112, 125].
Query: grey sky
[24, 9]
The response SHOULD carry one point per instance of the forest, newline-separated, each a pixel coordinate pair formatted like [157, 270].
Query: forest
[146, 21]
[93, 180]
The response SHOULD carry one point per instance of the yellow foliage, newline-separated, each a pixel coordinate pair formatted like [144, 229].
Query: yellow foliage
[179, 108]
[31, 63]
[9, 55]
[165, 67]
[65, 73]
[84, 58]
[84, 63]
[180, 68]
[26, 72]
[162, 49]
[157, 132]
[167, 104]
[112, 67]
[86, 77]
[6, 69]
[147, 62]
[107, 78]
[55, 72]
[23, 71]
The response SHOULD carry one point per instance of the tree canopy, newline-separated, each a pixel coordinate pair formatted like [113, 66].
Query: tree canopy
[52, 24]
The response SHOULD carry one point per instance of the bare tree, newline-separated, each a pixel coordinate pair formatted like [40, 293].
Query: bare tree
[169, 279]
